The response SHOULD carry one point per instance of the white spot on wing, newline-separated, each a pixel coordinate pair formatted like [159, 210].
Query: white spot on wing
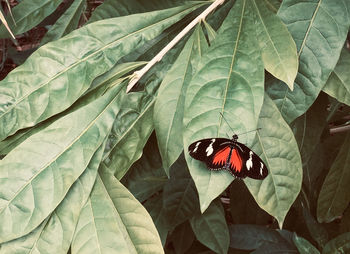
[210, 148]
[195, 149]
[249, 163]
[261, 168]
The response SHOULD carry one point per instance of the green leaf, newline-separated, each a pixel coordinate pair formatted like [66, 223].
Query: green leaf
[273, 5]
[276, 145]
[28, 14]
[279, 52]
[111, 8]
[251, 237]
[38, 173]
[43, 84]
[338, 83]
[319, 29]
[68, 21]
[169, 105]
[54, 235]
[130, 132]
[340, 244]
[180, 198]
[211, 229]
[334, 196]
[134, 123]
[154, 206]
[304, 246]
[113, 221]
[229, 80]
[146, 176]
[99, 87]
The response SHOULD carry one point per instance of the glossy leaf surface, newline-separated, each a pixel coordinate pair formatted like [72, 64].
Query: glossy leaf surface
[111, 8]
[338, 83]
[113, 221]
[211, 229]
[229, 80]
[319, 29]
[169, 105]
[42, 169]
[334, 196]
[54, 235]
[60, 72]
[276, 145]
[278, 49]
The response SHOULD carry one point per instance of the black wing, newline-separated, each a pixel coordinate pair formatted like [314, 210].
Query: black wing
[252, 165]
[206, 149]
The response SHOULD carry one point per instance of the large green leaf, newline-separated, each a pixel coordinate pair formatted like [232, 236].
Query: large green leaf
[66, 23]
[134, 123]
[278, 49]
[113, 221]
[338, 83]
[276, 145]
[229, 80]
[130, 132]
[111, 8]
[319, 29]
[340, 244]
[334, 196]
[169, 105]
[38, 173]
[27, 15]
[54, 235]
[99, 86]
[211, 229]
[58, 73]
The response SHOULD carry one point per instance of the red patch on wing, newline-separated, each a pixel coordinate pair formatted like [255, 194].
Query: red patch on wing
[236, 161]
[221, 157]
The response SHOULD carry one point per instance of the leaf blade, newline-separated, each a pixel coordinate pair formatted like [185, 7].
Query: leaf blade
[229, 80]
[319, 29]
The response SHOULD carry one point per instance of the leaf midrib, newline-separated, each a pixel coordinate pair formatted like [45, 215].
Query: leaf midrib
[231, 67]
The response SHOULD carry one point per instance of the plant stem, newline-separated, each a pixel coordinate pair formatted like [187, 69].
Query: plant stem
[138, 74]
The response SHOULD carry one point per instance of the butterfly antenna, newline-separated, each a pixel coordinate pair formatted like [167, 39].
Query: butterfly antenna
[227, 123]
[250, 131]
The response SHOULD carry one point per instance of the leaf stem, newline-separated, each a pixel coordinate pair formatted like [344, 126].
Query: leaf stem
[138, 74]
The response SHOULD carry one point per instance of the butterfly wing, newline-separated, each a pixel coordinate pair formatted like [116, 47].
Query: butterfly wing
[252, 165]
[222, 153]
[213, 151]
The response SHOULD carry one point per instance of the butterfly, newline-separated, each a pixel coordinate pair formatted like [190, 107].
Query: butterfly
[230, 155]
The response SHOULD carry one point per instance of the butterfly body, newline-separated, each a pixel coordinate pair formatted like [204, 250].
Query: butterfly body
[230, 155]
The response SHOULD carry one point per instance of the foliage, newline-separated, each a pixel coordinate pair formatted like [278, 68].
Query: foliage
[88, 168]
